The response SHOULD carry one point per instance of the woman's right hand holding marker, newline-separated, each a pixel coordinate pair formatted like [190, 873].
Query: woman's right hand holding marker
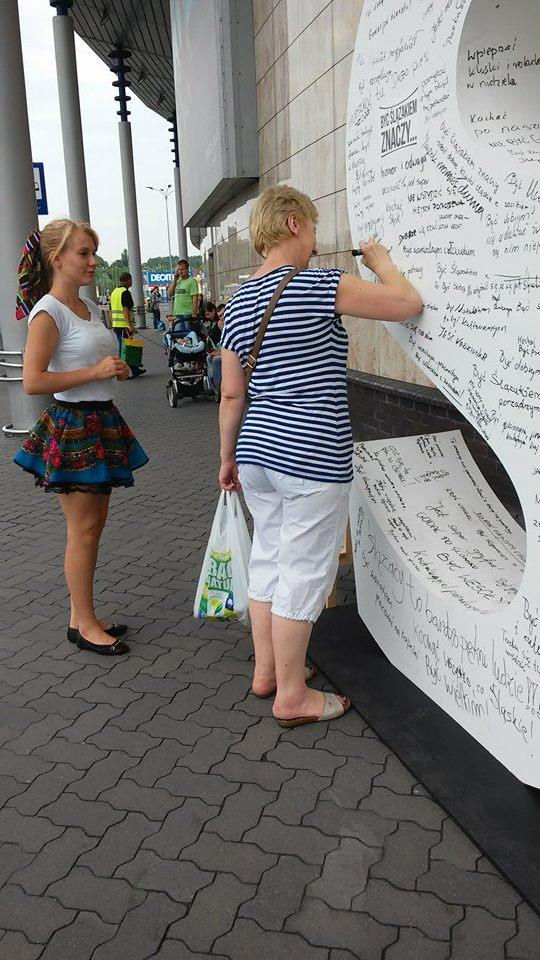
[375, 256]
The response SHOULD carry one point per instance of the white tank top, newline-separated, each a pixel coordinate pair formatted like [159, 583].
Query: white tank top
[82, 343]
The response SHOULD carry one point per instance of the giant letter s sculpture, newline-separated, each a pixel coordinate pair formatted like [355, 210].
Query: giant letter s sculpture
[443, 163]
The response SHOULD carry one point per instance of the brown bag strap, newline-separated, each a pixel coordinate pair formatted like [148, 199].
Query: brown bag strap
[252, 358]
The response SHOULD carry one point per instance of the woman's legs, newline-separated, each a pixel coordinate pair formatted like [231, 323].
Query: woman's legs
[104, 510]
[264, 677]
[312, 532]
[265, 506]
[294, 698]
[85, 515]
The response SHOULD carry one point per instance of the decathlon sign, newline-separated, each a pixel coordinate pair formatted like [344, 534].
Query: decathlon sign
[157, 278]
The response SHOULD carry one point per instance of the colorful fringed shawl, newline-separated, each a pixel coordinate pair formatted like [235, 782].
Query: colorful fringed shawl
[30, 276]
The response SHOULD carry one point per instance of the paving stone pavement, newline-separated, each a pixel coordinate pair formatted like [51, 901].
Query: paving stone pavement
[151, 808]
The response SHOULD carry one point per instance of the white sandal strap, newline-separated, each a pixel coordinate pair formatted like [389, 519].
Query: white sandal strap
[333, 707]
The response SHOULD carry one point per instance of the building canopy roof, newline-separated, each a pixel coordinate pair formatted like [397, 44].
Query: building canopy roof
[144, 28]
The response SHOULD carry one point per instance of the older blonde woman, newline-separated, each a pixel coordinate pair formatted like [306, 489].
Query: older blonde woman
[293, 457]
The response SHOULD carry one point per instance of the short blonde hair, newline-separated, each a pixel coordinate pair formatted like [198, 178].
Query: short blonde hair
[268, 220]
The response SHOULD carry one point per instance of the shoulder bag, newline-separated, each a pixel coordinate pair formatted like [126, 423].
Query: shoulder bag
[252, 357]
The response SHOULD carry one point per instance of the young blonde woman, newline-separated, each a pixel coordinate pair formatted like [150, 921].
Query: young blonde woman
[293, 457]
[80, 448]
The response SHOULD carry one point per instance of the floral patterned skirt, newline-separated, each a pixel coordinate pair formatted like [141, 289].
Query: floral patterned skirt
[85, 447]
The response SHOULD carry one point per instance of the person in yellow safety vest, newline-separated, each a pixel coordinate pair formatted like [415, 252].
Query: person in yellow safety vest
[122, 316]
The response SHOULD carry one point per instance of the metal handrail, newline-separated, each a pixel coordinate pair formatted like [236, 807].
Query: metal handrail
[9, 430]
[6, 365]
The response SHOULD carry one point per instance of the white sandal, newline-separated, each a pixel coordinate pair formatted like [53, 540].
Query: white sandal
[334, 707]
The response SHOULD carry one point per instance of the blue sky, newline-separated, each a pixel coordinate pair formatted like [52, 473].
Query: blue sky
[153, 160]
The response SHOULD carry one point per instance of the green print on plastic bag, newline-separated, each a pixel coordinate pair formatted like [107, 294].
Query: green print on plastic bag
[217, 600]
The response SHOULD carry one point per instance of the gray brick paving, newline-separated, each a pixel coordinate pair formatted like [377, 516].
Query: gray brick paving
[323, 926]
[151, 808]
[46, 788]
[31, 833]
[280, 892]
[179, 880]
[13, 858]
[157, 762]
[248, 940]
[92, 816]
[405, 855]
[109, 898]
[14, 944]
[79, 755]
[180, 828]
[245, 860]
[240, 811]
[425, 911]
[36, 917]
[413, 945]
[142, 929]
[462, 886]
[119, 844]
[480, 936]
[213, 912]
[258, 740]
[128, 795]
[79, 940]
[175, 950]
[345, 873]
[9, 787]
[53, 861]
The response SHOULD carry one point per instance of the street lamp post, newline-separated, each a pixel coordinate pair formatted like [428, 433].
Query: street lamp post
[165, 193]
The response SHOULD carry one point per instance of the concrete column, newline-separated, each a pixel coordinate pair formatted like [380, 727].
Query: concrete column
[182, 233]
[70, 116]
[132, 220]
[18, 217]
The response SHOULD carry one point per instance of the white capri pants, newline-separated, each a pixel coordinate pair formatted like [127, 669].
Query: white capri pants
[299, 529]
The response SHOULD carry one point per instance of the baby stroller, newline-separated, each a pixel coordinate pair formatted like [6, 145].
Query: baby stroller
[186, 357]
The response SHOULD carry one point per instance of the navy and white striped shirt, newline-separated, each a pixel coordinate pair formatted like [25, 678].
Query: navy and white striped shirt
[298, 420]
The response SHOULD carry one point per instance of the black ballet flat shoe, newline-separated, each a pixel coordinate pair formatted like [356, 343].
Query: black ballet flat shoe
[115, 649]
[115, 630]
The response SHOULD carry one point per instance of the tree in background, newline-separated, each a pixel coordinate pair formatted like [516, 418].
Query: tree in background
[161, 264]
[108, 274]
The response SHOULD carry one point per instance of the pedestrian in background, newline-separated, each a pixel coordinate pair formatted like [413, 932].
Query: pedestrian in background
[122, 317]
[213, 346]
[155, 299]
[185, 291]
[80, 448]
[293, 459]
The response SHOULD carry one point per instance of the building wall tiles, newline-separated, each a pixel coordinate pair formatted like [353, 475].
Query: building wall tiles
[304, 51]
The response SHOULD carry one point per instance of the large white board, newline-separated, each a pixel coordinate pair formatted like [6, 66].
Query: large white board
[443, 164]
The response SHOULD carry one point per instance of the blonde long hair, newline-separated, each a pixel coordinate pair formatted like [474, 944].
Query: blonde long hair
[35, 268]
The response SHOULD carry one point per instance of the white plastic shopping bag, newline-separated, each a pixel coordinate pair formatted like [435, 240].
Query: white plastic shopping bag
[223, 583]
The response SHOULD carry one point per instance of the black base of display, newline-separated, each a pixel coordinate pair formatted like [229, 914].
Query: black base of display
[500, 814]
